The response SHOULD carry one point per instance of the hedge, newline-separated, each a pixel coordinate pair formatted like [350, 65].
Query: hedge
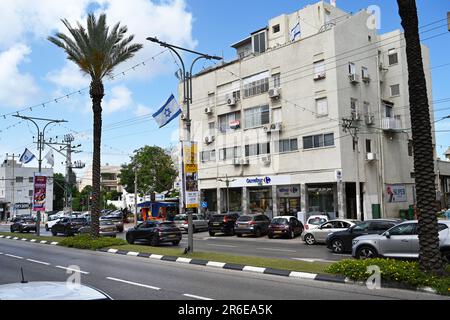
[86, 242]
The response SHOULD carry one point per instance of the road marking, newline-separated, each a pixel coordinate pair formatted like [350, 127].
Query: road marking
[184, 260]
[8, 237]
[74, 270]
[33, 240]
[1, 236]
[112, 250]
[302, 275]
[196, 297]
[15, 238]
[23, 239]
[54, 243]
[131, 253]
[40, 262]
[283, 250]
[13, 256]
[215, 264]
[43, 241]
[254, 269]
[221, 245]
[133, 283]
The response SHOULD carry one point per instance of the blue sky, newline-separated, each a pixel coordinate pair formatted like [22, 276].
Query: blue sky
[35, 71]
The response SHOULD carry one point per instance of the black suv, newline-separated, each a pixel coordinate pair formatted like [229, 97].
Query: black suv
[256, 225]
[341, 241]
[23, 224]
[222, 223]
[69, 226]
[156, 232]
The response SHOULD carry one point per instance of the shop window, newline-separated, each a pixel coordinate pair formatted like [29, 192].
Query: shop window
[321, 199]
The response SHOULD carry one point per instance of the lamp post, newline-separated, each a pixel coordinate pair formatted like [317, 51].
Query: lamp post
[187, 96]
[40, 144]
[227, 183]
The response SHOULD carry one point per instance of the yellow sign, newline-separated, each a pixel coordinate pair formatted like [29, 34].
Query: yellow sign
[190, 159]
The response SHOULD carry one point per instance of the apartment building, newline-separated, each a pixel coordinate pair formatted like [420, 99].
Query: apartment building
[269, 123]
[109, 178]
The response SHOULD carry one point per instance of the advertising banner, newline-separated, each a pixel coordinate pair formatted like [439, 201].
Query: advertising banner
[40, 192]
[396, 193]
[190, 157]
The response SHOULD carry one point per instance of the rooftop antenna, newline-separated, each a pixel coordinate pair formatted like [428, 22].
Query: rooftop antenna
[23, 278]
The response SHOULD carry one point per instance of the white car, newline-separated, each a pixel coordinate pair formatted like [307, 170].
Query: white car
[52, 220]
[315, 221]
[320, 234]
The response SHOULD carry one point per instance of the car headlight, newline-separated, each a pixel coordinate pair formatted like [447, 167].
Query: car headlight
[354, 242]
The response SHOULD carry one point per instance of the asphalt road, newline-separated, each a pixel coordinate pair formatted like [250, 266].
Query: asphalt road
[130, 278]
[251, 246]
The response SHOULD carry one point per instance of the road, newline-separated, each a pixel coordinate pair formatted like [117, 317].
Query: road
[130, 278]
[251, 246]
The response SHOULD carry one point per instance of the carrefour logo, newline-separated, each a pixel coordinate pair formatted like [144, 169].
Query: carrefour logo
[265, 180]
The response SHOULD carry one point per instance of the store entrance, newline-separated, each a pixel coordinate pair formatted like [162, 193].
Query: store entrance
[261, 201]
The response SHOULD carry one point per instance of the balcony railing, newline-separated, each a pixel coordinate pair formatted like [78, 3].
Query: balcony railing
[391, 124]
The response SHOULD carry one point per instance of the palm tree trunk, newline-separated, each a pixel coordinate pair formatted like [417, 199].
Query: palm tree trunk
[97, 93]
[429, 255]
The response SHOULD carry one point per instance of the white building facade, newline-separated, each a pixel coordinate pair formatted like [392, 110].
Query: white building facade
[16, 189]
[271, 121]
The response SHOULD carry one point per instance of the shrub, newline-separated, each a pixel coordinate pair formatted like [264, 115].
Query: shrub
[86, 242]
[405, 272]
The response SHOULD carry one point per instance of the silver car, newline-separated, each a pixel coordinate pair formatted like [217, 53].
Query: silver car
[199, 221]
[401, 241]
[320, 234]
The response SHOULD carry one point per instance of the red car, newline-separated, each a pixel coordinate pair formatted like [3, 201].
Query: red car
[285, 226]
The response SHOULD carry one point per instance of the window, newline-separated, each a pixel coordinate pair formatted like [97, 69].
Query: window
[318, 141]
[256, 87]
[211, 100]
[226, 119]
[30, 179]
[257, 149]
[366, 108]
[354, 107]
[19, 179]
[410, 148]
[395, 90]
[276, 80]
[403, 230]
[259, 42]
[365, 73]
[389, 111]
[286, 145]
[30, 193]
[276, 28]
[322, 106]
[207, 156]
[368, 146]
[319, 70]
[229, 153]
[361, 227]
[393, 57]
[351, 68]
[257, 116]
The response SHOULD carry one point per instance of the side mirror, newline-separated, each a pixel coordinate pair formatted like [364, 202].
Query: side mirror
[387, 234]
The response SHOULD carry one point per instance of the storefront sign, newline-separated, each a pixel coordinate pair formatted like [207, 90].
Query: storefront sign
[396, 193]
[190, 160]
[260, 181]
[22, 206]
[288, 192]
[40, 192]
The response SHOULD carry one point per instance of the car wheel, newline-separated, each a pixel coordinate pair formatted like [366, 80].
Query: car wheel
[154, 241]
[212, 234]
[239, 235]
[291, 234]
[130, 239]
[46, 228]
[366, 252]
[270, 236]
[54, 233]
[337, 246]
[258, 233]
[176, 243]
[309, 239]
[68, 232]
[232, 232]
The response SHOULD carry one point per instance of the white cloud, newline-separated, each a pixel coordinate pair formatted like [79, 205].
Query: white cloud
[68, 77]
[16, 88]
[120, 100]
[142, 111]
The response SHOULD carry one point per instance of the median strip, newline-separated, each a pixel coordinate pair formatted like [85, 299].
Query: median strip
[134, 283]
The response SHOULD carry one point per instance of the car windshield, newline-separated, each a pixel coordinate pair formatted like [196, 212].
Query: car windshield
[317, 221]
[167, 225]
[279, 221]
[245, 218]
[361, 226]
[110, 218]
[29, 221]
[217, 217]
[78, 220]
[106, 223]
[179, 218]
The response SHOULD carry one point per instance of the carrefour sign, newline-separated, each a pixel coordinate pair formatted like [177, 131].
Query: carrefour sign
[260, 181]
[266, 180]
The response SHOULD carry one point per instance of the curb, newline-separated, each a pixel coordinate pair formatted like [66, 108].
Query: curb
[54, 243]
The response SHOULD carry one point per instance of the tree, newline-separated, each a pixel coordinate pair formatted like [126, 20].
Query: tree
[96, 51]
[58, 191]
[430, 258]
[156, 171]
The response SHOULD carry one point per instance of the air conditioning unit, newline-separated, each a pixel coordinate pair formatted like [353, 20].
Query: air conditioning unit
[366, 78]
[371, 156]
[237, 161]
[245, 161]
[370, 120]
[320, 76]
[274, 93]
[266, 160]
[231, 101]
[354, 78]
[275, 127]
[209, 139]
[356, 116]
[208, 110]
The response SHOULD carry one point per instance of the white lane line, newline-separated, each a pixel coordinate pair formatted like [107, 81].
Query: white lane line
[73, 270]
[196, 297]
[283, 250]
[40, 262]
[13, 256]
[221, 245]
[133, 283]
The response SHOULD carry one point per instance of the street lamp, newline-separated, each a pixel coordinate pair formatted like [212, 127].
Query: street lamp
[227, 183]
[187, 97]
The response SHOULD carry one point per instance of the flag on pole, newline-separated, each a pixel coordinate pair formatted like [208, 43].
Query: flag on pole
[27, 156]
[50, 158]
[295, 32]
[333, 3]
[168, 112]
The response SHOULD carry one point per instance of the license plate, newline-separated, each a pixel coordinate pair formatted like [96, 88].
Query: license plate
[217, 224]
[278, 232]
[172, 236]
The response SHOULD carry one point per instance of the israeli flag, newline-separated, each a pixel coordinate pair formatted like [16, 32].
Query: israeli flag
[168, 112]
[27, 156]
[295, 32]
[50, 158]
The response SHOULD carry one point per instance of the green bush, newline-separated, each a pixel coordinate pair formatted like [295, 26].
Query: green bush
[405, 272]
[86, 242]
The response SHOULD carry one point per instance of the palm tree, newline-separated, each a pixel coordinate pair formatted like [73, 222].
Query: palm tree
[96, 51]
[430, 256]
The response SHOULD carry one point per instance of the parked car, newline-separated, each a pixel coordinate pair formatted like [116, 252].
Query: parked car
[401, 241]
[25, 224]
[255, 224]
[285, 226]
[199, 222]
[222, 223]
[116, 219]
[320, 234]
[156, 232]
[314, 221]
[341, 241]
[68, 226]
[52, 220]
[107, 229]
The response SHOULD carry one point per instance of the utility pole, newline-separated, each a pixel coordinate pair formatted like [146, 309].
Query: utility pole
[448, 20]
[351, 125]
[187, 93]
[135, 193]
[13, 158]
[40, 145]
[227, 183]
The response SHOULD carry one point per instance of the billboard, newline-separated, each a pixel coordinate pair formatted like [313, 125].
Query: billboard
[40, 192]
[396, 193]
[190, 160]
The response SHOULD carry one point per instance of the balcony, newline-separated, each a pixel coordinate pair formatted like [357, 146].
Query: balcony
[391, 124]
